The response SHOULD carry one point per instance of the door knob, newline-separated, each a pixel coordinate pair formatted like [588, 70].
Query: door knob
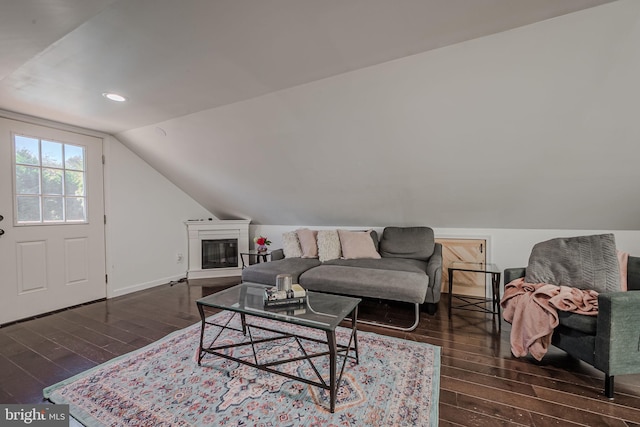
[1, 231]
[1, 217]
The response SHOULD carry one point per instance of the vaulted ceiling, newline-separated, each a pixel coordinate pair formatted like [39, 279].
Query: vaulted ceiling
[334, 112]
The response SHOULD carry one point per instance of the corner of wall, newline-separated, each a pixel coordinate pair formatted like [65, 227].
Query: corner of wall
[146, 235]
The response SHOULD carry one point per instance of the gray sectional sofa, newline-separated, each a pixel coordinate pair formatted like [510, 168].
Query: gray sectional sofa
[409, 270]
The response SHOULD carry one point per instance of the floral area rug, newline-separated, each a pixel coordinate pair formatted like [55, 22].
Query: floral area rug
[396, 383]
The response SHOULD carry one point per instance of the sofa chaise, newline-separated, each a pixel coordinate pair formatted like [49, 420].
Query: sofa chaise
[407, 268]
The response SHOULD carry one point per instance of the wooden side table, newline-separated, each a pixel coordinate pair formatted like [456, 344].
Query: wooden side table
[261, 256]
[477, 303]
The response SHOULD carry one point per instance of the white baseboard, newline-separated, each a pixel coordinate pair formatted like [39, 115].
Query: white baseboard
[112, 293]
[214, 272]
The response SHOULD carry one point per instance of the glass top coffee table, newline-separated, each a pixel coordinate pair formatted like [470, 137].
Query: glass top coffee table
[322, 312]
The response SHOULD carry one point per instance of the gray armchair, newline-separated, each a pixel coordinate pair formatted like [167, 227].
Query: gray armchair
[610, 341]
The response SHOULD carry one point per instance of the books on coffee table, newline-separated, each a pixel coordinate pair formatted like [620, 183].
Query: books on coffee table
[296, 295]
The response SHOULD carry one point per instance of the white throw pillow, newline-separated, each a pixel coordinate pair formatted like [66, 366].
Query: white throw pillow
[291, 245]
[328, 245]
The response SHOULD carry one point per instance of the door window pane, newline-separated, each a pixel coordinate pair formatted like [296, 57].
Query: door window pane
[27, 180]
[51, 181]
[28, 208]
[75, 209]
[52, 154]
[52, 209]
[74, 183]
[27, 151]
[74, 157]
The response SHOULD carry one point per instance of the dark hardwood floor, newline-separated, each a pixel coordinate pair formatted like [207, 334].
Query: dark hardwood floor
[481, 383]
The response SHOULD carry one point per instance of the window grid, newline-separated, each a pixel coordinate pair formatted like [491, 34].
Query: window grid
[58, 195]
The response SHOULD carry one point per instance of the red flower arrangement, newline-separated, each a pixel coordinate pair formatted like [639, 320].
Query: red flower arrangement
[261, 241]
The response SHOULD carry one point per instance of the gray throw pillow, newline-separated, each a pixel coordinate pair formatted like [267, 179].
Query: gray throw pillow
[584, 262]
[407, 242]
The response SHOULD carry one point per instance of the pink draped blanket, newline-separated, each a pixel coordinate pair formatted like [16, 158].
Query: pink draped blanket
[532, 310]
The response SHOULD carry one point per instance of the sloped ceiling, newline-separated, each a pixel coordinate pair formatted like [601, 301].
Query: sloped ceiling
[451, 113]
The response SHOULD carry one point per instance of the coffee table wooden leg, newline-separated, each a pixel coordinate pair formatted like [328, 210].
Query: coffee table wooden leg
[333, 352]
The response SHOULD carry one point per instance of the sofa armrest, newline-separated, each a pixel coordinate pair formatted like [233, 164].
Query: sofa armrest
[618, 333]
[633, 273]
[511, 274]
[434, 271]
[277, 254]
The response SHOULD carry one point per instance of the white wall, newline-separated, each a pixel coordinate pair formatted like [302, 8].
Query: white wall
[535, 127]
[145, 223]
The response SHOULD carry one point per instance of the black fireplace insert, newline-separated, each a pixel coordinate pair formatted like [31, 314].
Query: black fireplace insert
[221, 253]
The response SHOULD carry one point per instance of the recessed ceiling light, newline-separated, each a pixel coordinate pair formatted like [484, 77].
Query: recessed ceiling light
[114, 96]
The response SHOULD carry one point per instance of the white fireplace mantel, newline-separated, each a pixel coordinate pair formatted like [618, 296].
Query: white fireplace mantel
[200, 230]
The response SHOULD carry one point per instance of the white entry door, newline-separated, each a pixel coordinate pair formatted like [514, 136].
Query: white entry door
[52, 252]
